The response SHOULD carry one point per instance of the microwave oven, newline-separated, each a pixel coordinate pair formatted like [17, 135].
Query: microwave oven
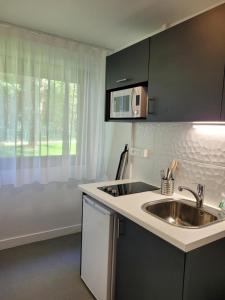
[129, 103]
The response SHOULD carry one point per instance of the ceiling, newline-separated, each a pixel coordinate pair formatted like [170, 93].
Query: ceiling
[111, 24]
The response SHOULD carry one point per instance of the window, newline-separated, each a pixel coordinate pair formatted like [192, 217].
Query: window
[54, 115]
[51, 108]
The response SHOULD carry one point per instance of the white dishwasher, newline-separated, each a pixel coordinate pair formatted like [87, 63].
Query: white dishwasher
[98, 248]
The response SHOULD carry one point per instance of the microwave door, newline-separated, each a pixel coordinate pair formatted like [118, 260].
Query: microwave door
[121, 106]
[117, 106]
[127, 105]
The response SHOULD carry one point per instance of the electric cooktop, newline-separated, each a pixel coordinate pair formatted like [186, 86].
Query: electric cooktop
[127, 188]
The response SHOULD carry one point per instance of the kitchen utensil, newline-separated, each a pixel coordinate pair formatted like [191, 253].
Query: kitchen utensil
[122, 164]
[167, 186]
[172, 168]
[168, 174]
[162, 174]
[174, 165]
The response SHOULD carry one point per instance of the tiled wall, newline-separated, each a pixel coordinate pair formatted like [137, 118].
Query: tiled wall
[200, 151]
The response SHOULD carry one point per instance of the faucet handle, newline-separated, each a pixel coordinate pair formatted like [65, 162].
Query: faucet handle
[201, 189]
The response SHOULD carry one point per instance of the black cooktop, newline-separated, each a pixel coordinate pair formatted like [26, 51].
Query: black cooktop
[127, 188]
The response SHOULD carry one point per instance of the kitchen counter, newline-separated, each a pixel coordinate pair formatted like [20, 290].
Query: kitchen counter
[129, 206]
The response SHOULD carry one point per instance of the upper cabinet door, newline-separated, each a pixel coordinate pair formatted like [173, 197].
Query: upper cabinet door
[128, 66]
[186, 69]
[223, 105]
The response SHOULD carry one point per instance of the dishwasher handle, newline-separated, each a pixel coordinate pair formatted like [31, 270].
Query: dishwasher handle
[95, 205]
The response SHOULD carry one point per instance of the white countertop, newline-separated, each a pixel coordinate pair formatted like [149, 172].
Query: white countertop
[129, 206]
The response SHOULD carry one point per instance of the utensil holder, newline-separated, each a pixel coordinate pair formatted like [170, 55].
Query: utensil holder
[167, 187]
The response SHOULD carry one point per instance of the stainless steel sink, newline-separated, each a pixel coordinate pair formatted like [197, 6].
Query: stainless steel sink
[183, 213]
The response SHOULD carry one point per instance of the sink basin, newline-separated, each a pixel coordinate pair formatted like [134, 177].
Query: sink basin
[183, 213]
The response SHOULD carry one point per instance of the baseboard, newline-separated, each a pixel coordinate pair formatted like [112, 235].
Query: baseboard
[38, 236]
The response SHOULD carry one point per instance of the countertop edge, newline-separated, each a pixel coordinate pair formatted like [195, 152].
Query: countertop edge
[168, 238]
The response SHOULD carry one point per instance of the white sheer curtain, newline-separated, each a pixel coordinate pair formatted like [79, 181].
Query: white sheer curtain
[51, 108]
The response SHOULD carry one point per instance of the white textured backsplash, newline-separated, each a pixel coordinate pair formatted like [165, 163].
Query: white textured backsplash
[200, 152]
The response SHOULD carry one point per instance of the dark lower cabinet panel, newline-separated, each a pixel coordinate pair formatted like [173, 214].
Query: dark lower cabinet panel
[223, 96]
[148, 268]
[205, 273]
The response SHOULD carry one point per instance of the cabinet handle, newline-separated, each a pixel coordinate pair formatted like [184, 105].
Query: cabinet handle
[151, 104]
[122, 80]
[120, 226]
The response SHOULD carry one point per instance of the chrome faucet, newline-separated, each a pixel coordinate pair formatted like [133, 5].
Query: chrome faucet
[199, 196]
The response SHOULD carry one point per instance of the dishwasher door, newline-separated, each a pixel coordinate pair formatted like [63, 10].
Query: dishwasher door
[98, 249]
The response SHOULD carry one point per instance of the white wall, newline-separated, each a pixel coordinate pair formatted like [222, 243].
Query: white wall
[201, 154]
[117, 135]
[35, 212]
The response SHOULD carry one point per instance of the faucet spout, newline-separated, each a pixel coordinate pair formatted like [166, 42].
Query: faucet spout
[199, 195]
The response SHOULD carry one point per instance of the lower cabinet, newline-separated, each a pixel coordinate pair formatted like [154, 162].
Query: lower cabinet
[205, 273]
[149, 268]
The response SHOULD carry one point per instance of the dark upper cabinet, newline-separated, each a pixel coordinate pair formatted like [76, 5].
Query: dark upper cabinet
[186, 69]
[223, 95]
[128, 66]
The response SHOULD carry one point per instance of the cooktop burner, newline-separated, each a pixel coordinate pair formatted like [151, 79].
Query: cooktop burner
[127, 188]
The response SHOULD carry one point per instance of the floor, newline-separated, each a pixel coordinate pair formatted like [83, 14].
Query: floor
[47, 270]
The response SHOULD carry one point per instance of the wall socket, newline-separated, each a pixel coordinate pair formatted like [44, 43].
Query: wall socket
[144, 153]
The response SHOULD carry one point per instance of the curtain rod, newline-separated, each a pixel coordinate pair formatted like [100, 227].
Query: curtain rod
[34, 31]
